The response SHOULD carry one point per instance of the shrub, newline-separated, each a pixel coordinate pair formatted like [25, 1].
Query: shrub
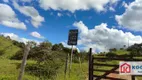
[1, 52]
[46, 69]
[111, 54]
[18, 55]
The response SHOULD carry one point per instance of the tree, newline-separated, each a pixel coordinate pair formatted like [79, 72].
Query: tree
[40, 51]
[113, 49]
[111, 54]
[18, 55]
[135, 49]
[45, 45]
[57, 47]
[48, 61]
[19, 44]
[33, 44]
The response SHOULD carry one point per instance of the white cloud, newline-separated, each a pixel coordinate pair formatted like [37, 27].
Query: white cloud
[68, 14]
[73, 5]
[65, 45]
[124, 4]
[59, 14]
[9, 18]
[27, 21]
[26, 1]
[111, 9]
[31, 12]
[6, 1]
[101, 38]
[17, 38]
[36, 34]
[132, 17]
[14, 24]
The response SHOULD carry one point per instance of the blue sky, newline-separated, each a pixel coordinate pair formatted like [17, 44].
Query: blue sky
[51, 20]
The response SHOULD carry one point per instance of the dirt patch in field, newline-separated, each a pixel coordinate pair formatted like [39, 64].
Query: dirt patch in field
[114, 75]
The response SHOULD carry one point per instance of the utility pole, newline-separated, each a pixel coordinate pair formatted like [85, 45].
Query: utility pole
[22, 69]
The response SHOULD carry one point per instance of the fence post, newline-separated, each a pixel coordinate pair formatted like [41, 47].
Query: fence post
[132, 77]
[66, 66]
[23, 64]
[90, 65]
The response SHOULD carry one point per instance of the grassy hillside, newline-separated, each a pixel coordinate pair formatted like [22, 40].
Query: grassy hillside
[7, 49]
[121, 52]
[9, 69]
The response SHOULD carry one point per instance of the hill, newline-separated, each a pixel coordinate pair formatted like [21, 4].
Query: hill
[9, 68]
[7, 48]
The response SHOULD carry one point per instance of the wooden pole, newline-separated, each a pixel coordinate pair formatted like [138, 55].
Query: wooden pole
[90, 65]
[66, 66]
[80, 63]
[23, 64]
[70, 61]
[133, 77]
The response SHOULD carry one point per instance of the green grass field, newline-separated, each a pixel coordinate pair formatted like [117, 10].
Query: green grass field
[77, 73]
[9, 71]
